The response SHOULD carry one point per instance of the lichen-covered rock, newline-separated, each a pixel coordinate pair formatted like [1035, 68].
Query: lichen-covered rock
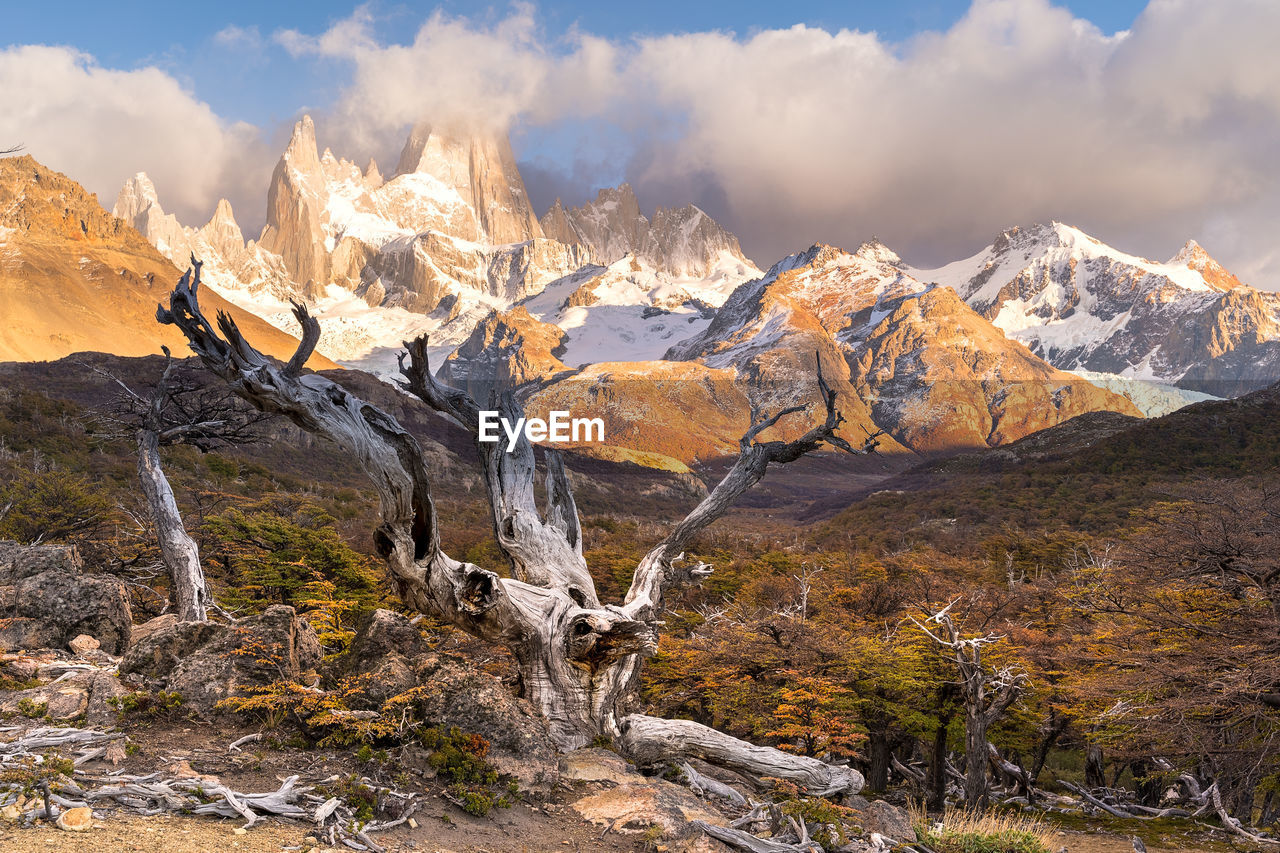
[81, 695]
[151, 626]
[888, 820]
[19, 561]
[457, 694]
[593, 764]
[79, 819]
[207, 662]
[637, 807]
[382, 650]
[20, 667]
[393, 677]
[21, 633]
[391, 657]
[381, 634]
[83, 644]
[74, 604]
[103, 687]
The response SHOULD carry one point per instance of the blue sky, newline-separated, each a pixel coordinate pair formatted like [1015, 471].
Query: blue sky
[932, 124]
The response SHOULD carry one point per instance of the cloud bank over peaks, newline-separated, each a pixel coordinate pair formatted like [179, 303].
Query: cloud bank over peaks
[1019, 112]
[461, 73]
[101, 126]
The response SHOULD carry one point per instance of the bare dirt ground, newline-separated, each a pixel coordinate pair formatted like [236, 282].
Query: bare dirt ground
[541, 824]
[516, 830]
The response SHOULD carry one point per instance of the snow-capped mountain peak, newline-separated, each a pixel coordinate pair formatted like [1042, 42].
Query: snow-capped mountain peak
[1084, 305]
[447, 239]
[681, 241]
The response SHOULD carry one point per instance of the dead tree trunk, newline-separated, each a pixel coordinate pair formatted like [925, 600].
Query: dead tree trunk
[1095, 774]
[986, 694]
[178, 551]
[578, 658]
[1054, 728]
[178, 411]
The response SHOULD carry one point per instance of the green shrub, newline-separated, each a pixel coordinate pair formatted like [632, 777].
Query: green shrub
[143, 705]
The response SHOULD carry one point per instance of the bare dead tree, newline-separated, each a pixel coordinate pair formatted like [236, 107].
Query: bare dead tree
[986, 692]
[578, 658]
[14, 150]
[179, 411]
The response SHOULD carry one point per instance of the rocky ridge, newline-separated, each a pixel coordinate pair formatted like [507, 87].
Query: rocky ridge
[1082, 305]
[683, 242]
[907, 357]
[74, 278]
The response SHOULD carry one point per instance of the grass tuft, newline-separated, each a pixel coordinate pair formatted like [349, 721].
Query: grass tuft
[966, 831]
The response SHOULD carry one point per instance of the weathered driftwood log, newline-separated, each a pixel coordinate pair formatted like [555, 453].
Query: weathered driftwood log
[906, 770]
[48, 737]
[650, 740]
[578, 658]
[1097, 802]
[707, 787]
[740, 840]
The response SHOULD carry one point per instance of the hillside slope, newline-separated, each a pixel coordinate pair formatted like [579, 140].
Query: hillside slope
[74, 278]
[1088, 475]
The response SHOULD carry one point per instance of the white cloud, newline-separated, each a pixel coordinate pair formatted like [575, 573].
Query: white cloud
[1019, 112]
[457, 72]
[100, 126]
[239, 38]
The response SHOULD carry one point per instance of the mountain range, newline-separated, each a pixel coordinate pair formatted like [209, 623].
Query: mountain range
[664, 327]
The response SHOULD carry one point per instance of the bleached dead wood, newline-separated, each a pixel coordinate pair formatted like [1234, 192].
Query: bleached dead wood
[50, 737]
[907, 771]
[987, 693]
[650, 740]
[1231, 824]
[740, 840]
[235, 745]
[327, 808]
[179, 552]
[1097, 802]
[707, 786]
[579, 659]
[175, 412]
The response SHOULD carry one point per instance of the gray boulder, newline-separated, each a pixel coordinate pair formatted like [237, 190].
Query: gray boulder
[392, 656]
[49, 598]
[84, 695]
[73, 604]
[382, 633]
[383, 648]
[207, 662]
[889, 820]
[21, 633]
[459, 694]
[19, 561]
